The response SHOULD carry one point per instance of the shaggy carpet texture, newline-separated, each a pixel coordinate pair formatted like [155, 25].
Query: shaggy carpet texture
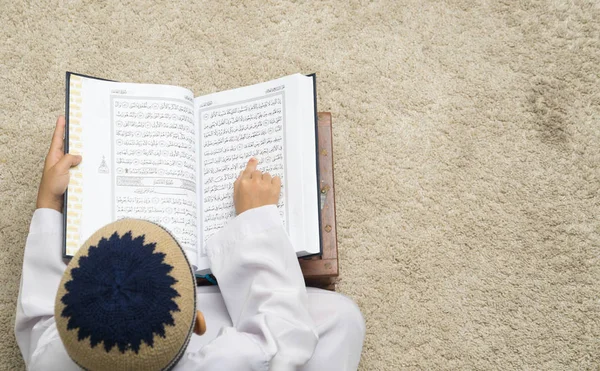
[467, 152]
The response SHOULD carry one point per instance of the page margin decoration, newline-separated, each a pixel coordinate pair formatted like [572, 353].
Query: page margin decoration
[75, 147]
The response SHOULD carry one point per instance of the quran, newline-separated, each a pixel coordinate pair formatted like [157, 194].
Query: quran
[156, 152]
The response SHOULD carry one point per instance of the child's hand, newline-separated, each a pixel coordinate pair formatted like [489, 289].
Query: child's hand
[255, 189]
[55, 177]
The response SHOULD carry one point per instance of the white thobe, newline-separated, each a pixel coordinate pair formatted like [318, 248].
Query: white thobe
[261, 317]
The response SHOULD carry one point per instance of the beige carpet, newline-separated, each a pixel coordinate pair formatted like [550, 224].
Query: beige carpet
[467, 153]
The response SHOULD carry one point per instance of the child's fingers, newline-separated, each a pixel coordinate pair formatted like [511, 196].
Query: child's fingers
[236, 183]
[59, 133]
[66, 162]
[276, 188]
[276, 181]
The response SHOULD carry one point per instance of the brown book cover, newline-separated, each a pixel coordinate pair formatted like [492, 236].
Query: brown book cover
[321, 271]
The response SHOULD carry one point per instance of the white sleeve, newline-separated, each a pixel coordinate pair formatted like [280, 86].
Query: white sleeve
[264, 291]
[43, 268]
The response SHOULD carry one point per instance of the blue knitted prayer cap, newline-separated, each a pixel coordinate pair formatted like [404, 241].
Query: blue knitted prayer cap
[127, 299]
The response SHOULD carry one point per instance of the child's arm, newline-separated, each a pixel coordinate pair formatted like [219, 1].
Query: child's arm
[262, 285]
[42, 261]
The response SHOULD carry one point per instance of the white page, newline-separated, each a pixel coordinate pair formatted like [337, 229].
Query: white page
[263, 121]
[138, 143]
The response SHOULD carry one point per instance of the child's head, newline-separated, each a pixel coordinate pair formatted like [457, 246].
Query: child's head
[127, 299]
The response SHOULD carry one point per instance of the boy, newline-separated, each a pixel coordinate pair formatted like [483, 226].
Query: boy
[260, 317]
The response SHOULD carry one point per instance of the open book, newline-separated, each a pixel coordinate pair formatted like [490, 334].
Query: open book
[155, 152]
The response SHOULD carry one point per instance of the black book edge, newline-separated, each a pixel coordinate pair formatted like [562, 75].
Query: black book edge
[319, 206]
[316, 116]
[66, 147]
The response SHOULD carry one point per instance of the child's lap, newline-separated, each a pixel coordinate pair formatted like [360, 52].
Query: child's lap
[322, 305]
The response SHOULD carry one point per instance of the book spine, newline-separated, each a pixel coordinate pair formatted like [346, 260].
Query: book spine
[75, 189]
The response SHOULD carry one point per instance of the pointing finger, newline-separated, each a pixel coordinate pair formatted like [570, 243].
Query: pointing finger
[251, 167]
